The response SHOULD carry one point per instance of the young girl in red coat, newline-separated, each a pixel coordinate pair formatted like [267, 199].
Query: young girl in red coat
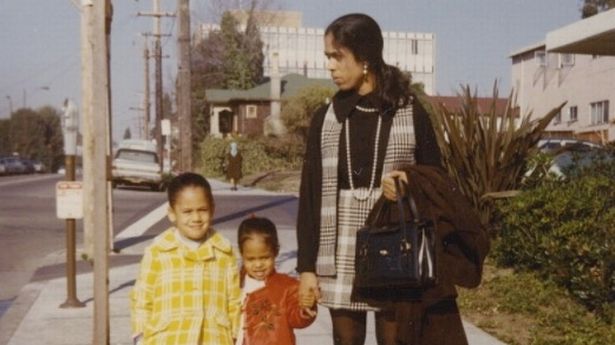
[270, 304]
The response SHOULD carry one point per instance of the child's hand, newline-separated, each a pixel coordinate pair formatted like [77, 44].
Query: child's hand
[308, 313]
[307, 303]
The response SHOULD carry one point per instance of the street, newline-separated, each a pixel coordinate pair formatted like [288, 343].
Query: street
[29, 229]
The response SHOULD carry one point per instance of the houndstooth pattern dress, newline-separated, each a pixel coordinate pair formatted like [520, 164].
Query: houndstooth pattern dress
[336, 270]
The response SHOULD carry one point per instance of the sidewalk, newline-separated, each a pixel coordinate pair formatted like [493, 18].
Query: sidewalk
[35, 318]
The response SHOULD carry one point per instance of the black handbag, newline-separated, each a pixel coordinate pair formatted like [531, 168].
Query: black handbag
[393, 258]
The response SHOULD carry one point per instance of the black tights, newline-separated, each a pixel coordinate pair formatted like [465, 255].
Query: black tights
[349, 327]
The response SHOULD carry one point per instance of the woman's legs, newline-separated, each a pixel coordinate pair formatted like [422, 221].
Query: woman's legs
[348, 326]
[386, 327]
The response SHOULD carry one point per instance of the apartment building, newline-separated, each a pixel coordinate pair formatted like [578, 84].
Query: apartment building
[568, 67]
[300, 49]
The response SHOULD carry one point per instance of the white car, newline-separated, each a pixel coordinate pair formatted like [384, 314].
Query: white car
[136, 165]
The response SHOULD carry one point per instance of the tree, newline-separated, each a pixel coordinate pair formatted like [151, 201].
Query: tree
[297, 111]
[227, 59]
[37, 135]
[592, 7]
[5, 142]
[127, 134]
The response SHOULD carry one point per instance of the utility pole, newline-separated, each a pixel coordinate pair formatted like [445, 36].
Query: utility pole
[146, 102]
[184, 106]
[95, 19]
[158, 74]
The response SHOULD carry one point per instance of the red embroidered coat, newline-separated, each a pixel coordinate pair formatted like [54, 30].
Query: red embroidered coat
[272, 312]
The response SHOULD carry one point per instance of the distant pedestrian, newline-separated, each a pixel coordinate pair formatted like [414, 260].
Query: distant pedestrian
[187, 290]
[234, 162]
[270, 303]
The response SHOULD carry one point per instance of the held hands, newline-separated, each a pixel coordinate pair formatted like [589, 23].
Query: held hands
[388, 184]
[309, 294]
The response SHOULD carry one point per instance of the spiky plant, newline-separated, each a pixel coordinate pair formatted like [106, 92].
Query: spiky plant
[485, 152]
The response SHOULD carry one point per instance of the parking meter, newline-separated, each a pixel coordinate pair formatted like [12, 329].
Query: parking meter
[70, 127]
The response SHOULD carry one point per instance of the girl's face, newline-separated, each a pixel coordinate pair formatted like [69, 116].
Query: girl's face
[258, 257]
[192, 213]
[346, 71]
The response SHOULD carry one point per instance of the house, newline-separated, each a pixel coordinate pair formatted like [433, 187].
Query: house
[575, 64]
[453, 103]
[246, 111]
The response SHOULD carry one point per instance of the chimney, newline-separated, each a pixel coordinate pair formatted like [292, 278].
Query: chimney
[276, 127]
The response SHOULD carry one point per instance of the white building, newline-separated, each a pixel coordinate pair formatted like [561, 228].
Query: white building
[301, 50]
[565, 69]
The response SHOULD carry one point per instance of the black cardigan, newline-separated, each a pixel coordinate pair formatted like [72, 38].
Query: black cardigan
[363, 132]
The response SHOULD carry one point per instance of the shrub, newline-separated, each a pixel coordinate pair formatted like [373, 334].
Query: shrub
[565, 230]
[483, 150]
[259, 154]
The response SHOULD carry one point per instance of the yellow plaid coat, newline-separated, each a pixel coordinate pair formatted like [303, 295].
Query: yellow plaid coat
[185, 296]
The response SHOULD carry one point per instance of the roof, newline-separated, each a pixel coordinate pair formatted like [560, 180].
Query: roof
[594, 35]
[291, 85]
[535, 46]
[484, 103]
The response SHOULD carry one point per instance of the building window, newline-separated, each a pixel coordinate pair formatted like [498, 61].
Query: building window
[600, 112]
[540, 57]
[415, 47]
[573, 113]
[250, 112]
[566, 60]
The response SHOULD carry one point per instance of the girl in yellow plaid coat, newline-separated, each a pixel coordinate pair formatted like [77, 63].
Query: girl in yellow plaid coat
[187, 291]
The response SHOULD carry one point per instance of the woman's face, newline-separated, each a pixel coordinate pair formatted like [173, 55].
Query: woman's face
[346, 71]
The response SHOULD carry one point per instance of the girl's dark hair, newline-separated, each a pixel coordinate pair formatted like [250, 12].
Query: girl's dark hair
[184, 180]
[360, 34]
[258, 226]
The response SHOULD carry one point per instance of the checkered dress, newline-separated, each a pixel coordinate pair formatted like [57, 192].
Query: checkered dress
[342, 214]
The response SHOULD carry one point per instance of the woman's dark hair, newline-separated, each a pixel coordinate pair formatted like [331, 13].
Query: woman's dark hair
[185, 180]
[258, 226]
[360, 34]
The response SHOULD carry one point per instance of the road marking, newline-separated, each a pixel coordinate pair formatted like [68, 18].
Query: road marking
[139, 227]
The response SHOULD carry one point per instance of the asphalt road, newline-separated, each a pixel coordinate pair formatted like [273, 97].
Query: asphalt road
[30, 230]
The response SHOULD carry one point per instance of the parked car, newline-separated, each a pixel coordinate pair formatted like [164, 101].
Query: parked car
[567, 160]
[555, 144]
[28, 166]
[13, 165]
[39, 167]
[136, 163]
[2, 169]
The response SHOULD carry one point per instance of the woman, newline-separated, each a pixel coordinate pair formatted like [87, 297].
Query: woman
[234, 161]
[372, 131]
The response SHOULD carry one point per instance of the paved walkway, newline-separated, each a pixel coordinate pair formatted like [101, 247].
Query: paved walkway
[35, 317]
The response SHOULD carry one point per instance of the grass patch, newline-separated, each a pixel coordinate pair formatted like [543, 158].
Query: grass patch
[520, 309]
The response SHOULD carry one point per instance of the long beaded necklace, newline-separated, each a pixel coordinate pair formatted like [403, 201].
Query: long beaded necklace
[363, 195]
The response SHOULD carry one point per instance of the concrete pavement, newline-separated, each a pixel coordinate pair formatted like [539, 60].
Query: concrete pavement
[35, 317]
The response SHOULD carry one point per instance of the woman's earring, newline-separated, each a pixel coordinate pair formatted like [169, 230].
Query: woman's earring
[365, 72]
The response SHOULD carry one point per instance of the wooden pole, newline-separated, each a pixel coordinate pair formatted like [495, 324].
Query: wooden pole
[184, 106]
[95, 149]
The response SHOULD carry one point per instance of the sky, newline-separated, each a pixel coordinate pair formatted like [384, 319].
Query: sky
[40, 57]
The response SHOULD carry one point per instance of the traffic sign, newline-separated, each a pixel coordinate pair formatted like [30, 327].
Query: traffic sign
[69, 200]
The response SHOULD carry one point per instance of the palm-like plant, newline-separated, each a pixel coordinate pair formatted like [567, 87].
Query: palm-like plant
[485, 152]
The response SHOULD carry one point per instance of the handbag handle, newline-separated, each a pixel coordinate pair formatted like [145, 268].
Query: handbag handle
[413, 209]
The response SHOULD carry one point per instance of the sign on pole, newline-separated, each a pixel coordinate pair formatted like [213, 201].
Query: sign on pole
[69, 200]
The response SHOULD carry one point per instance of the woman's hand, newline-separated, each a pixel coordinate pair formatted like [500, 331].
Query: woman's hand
[309, 292]
[388, 184]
